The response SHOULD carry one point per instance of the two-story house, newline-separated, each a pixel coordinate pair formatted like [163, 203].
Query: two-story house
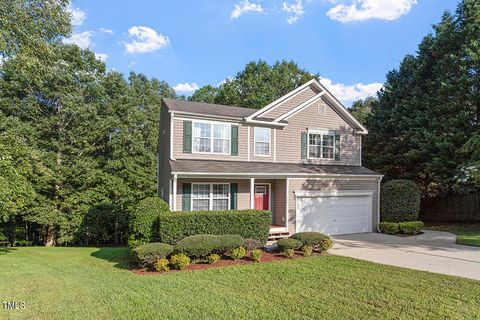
[300, 157]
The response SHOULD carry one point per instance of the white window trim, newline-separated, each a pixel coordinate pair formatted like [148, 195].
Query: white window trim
[255, 142]
[210, 197]
[321, 132]
[211, 137]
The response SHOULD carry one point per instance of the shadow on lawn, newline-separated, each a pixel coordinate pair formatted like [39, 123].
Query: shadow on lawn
[4, 250]
[120, 256]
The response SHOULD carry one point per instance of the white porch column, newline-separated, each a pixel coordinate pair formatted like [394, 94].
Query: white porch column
[252, 193]
[174, 204]
[170, 194]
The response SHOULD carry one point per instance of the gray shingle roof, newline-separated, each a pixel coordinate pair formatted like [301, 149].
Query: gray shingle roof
[238, 167]
[207, 108]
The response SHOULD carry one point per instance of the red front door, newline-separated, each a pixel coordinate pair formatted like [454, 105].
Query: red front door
[262, 197]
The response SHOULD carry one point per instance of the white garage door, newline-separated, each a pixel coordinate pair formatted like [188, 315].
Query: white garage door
[334, 215]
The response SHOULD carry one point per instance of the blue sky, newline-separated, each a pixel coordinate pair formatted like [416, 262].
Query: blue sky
[352, 44]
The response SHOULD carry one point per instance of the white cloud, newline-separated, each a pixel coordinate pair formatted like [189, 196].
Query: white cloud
[145, 39]
[101, 56]
[295, 11]
[78, 16]
[348, 94]
[186, 87]
[105, 30]
[83, 39]
[245, 6]
[361, 10]
[132, 64]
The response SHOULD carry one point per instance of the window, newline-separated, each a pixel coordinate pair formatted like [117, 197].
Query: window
[321, 145]
[210, 196]
[211, 137]
[262, 141]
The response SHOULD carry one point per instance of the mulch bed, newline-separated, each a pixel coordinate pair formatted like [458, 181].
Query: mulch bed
[225, 262]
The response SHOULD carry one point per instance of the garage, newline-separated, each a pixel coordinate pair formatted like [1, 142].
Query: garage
[334, 213]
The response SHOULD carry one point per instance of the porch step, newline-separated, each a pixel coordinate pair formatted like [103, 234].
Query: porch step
[278, 235]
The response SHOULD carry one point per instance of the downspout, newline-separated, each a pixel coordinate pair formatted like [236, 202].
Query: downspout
[378, 203]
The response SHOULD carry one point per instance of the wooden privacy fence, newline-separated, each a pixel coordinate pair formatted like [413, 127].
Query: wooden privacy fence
[464, 208]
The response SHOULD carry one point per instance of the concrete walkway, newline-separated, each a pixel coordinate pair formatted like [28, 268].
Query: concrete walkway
[432, 251]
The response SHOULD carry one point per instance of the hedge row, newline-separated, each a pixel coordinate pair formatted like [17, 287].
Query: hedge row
[202, 245]
[174, 226]
[406, 227]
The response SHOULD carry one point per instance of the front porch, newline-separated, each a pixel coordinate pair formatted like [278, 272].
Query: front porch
[223, 193]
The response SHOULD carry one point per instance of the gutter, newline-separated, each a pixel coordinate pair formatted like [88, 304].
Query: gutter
[289, 174]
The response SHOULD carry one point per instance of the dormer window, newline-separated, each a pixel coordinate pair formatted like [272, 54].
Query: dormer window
[262, 141]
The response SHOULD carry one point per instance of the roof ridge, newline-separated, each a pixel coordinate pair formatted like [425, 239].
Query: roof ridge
[213, 104]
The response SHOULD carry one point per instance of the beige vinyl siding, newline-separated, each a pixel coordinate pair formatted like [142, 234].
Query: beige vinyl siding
[252, 147]
[289, 138]
[178, 144]
[329, 185]
[289, 104]
[163, 155]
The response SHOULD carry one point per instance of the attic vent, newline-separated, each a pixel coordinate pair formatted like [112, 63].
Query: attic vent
[322, 109]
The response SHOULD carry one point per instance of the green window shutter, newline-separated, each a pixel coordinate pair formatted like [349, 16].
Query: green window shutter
[187, 136]
[304, 145]
[233, 195]
[234, 141]
[186, 196]
[337, 147]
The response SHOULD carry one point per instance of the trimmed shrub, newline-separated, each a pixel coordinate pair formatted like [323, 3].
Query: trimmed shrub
[410, 227]
[143, 227]
[202, 245]
[256, 255]
[318, 241]
[289, 243]
[400, 201]
[251, 244]
[179, 261]
[407, 227]
[307, 251]
[175, 226]
[161, 265]
[238, 253]
[325, 245]
[309, 238]
[289, 253]
[147, 254]
[388, 227]
[211, 259]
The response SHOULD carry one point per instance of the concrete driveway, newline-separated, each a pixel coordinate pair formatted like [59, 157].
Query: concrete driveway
[432, 251]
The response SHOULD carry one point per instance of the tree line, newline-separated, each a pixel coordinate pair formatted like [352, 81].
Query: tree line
[424, 125]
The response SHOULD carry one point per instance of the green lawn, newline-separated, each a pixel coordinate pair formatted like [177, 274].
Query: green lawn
[91, 283]
[467, 234]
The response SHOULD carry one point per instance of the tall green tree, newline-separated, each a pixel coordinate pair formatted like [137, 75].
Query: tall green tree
[27, 28]
[95, 134]
[256, 85]
[362, 109]
[428, 108]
